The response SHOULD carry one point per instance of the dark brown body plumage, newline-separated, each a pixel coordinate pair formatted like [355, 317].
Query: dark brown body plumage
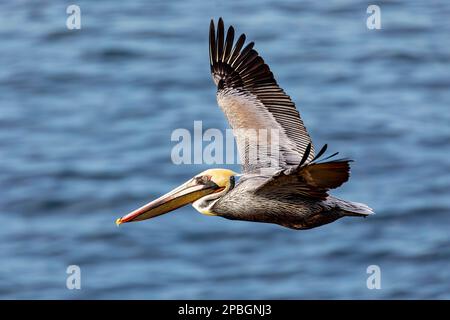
[244, 203]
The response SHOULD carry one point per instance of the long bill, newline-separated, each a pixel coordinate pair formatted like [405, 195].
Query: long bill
[181, 196]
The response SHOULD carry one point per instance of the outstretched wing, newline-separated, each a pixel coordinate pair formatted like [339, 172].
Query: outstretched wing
[312, 180]
[263, 117]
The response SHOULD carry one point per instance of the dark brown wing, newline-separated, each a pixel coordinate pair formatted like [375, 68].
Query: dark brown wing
[312, 180]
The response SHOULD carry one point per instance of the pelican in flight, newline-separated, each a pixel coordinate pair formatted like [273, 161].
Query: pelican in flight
[291, 191]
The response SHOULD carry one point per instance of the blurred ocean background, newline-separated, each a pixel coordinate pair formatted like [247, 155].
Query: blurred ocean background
[85, 123]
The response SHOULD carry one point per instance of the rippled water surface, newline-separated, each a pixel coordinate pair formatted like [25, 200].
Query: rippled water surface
[85, 124]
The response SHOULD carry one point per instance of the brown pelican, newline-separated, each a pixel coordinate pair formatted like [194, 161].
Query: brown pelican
[294, 193]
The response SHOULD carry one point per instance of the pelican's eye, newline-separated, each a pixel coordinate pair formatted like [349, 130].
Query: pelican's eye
[232, 182]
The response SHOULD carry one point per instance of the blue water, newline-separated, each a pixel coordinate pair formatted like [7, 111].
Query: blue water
[85, 124]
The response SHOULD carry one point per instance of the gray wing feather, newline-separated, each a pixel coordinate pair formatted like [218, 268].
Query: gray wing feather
[251, 99]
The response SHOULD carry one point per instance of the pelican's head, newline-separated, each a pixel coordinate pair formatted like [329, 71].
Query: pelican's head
[202, 191]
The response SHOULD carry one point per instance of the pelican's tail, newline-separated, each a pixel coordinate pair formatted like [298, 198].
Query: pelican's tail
[350, 208]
